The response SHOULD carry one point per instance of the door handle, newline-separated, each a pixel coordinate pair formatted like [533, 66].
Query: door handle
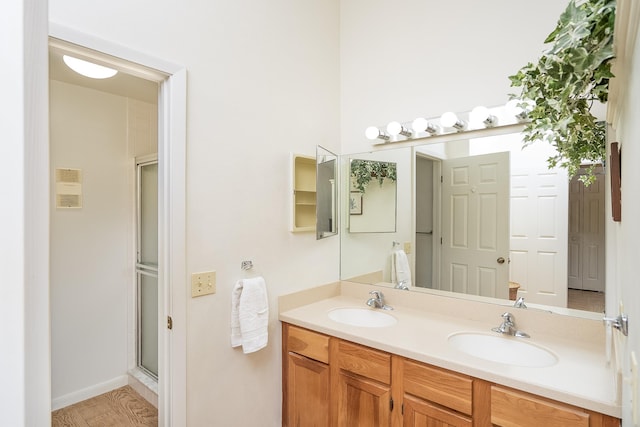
[500, 260]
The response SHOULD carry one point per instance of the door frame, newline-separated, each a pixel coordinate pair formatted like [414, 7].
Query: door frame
[172, 79]
[436, 230]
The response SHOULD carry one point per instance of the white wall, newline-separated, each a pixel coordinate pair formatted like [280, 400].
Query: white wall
[263, 82]
[410, 58]
[92, 259]
[24, 288]
[623, 237]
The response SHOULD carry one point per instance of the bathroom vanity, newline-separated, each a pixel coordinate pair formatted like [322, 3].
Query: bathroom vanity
[407, 373]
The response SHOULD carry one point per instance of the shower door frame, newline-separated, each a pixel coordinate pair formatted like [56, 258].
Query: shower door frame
[143, 268]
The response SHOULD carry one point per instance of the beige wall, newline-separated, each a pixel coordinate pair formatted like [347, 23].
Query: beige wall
[92, 258]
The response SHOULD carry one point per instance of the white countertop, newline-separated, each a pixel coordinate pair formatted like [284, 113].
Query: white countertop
[581, 376]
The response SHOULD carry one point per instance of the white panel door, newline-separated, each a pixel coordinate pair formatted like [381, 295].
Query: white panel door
[586, 235]
[539, 223]
[475, 225]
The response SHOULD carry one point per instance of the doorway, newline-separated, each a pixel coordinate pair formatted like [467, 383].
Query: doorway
[171, 274]
[586, 264]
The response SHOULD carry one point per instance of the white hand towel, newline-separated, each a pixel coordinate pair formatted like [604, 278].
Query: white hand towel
[401, 267]
[249, 315]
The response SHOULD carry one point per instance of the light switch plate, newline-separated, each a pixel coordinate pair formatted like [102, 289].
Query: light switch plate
[203, 283]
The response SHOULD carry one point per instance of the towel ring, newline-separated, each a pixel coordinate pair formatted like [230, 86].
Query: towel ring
[246, 265]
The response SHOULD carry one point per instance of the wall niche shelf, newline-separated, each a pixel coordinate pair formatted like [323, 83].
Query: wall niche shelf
[303, 216]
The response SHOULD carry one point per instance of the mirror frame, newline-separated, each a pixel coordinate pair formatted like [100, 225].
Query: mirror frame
[324, 156]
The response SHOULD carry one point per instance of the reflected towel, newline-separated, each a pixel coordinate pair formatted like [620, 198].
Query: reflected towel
[249, 314]
[400, 268]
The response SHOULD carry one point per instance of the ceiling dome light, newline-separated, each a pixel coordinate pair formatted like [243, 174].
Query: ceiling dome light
[450, 120]
[88, 69]
[395, 129]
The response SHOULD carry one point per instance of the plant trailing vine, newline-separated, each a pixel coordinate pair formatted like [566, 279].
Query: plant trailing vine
[363, 171]
[562, 86]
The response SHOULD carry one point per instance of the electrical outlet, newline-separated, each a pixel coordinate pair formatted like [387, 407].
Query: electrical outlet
[203, 283]
[407, 247]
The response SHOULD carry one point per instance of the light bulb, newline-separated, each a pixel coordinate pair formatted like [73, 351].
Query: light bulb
[450, 120]
[395, 129]
[423, 125]
[482, 115]
[88, 69]
[514, 108]
[373, 133]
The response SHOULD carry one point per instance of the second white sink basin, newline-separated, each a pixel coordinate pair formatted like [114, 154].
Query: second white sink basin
[365, 317]
[503, 349]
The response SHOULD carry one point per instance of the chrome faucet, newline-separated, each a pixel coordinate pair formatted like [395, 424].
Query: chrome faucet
[508, 327]
[402, 285]
[520, 303]
[377, 301]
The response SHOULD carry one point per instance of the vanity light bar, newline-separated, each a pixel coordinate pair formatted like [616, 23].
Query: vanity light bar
[514, 112]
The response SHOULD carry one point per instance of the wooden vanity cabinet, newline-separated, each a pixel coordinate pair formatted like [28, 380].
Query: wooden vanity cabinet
[361, 385]
[328, 381]
[306, 373]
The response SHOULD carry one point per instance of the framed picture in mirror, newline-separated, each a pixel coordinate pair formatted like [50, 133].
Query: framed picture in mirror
[355, 203]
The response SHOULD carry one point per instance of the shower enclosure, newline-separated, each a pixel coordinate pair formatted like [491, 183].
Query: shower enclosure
[147, 266]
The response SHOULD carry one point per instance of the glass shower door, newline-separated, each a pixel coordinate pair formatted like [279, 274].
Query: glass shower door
[147, 267]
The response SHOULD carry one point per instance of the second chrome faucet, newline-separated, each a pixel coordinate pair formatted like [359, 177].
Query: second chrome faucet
[508, 327]
[377, 301]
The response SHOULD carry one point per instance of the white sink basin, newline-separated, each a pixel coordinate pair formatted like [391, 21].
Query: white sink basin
[502, 349]
[365, 317]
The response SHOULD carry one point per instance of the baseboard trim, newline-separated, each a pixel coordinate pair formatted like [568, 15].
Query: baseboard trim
[89, 392]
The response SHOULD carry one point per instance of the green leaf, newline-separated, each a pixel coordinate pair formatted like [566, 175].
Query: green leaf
[574, 70]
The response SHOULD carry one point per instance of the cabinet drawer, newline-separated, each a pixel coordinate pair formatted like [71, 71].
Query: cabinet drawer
[308, 343]
[437, 385]
[514, 408]
[363, 361]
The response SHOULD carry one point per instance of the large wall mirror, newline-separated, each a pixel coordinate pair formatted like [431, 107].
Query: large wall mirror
[475, 215]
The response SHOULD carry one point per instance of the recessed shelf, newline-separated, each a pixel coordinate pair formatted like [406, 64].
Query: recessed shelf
[304, 193]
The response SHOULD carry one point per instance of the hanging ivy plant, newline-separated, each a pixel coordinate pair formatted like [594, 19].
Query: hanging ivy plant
[562, 86]
[363, 171]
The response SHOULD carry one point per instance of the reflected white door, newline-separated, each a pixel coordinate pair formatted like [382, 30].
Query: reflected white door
[586, 234]
[475, 225]
[539, 234]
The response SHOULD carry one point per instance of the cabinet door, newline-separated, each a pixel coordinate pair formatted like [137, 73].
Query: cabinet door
[307, 392]
[420, 413]
[511, 408]
[362, 402]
